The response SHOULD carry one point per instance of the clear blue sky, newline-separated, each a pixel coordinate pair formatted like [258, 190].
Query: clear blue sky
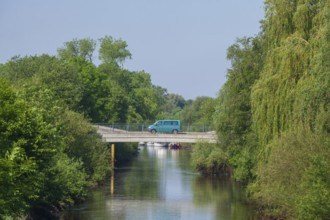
[182, 44]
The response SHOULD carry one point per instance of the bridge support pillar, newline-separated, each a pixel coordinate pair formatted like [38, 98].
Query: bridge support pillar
[112, 157]
[112, 184]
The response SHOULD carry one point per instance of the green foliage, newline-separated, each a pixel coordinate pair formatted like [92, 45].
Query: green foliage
[274, 94]
[47, 72]
[27, 146]
[233, 111]
[113, 51]
[233, 108]
[65, 182]
[82, 48]
[37, 169]
[171, 105]
[191, 112]
[100, 96]
[296, 163]
[314, 203]
[294, 84]
[200, 111]
[290, 105]
[143, 98]
[209, 158]
[84, 144]
[18, 69]
[111, 94]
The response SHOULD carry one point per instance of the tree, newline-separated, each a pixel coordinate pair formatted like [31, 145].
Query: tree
[103, 100]
[44, 161]
[29, 156]
[83, 48]
[200, 111]
[48, 72]
[233, 111]
[113, 51]
[290, 105]
[16, 169]
[83, 144]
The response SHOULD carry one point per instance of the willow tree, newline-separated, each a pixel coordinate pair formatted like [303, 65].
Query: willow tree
[294, 84]
[291, 99]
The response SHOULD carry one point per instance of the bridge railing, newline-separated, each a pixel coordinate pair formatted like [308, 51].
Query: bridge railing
[144, 127]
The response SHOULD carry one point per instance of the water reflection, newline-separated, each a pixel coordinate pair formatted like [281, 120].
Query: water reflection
[160, 184]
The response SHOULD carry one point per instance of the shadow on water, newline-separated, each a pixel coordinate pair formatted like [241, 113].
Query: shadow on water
[161, 184]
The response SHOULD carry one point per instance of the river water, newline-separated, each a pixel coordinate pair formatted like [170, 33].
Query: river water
[161, 184]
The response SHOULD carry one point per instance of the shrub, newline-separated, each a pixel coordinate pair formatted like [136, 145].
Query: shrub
[209, 158]
[293, 177]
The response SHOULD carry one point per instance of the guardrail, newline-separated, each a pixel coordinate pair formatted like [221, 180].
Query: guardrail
[144, 127]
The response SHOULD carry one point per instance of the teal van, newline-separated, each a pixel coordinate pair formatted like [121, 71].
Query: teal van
[166, 126]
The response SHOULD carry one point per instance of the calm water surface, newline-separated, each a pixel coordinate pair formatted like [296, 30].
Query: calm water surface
[161, 184]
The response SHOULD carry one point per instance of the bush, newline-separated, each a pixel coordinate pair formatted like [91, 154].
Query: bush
[293, 177]
[314, 203]
[209, 159]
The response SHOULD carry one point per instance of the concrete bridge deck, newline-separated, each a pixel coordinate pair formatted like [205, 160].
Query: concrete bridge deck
[115, 135]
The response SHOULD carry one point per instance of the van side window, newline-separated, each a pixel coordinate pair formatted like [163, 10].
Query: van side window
[167, 123]
[174, 123]
[159, 123]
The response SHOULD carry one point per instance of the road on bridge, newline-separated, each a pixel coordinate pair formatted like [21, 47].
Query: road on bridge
[112, 135]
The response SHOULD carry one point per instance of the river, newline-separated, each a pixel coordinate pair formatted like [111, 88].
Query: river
[161, 184]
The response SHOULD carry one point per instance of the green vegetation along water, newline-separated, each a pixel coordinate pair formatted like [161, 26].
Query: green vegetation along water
[161, 184]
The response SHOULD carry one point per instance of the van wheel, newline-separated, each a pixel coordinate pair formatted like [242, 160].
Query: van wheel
[153, 131]
[175, 131]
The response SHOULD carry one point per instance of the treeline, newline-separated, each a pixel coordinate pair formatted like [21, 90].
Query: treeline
[273, 113]
[191, 112]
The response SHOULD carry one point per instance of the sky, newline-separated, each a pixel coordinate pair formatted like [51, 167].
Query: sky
[182, 44]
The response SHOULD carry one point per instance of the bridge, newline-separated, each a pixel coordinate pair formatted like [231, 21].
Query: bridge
[113, 135]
